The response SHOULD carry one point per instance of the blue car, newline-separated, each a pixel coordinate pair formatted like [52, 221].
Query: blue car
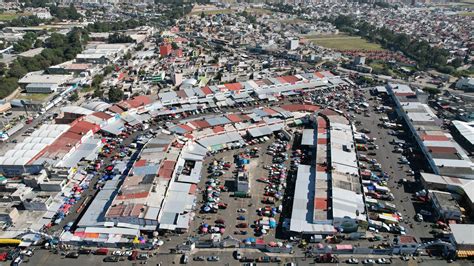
[241, 218]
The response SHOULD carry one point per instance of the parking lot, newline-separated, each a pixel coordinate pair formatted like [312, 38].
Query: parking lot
[240, 211]
[401, 181]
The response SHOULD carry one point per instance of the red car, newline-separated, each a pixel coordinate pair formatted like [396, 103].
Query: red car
[242, 225]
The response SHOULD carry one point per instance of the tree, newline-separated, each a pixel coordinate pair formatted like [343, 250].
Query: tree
[115, 95]
[457, 62]
[3, 68]
[56, 40]
[119, 38]
[174, 46]
[17, 70]
[73, 97]
[39, 43]
[203, 15]
[127, 56]
[98, 93]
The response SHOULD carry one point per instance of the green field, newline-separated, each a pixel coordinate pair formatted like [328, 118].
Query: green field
[343, 42]
[7, 16]
[467, 14]
[259, 11]
[213, 12]
[35, 97]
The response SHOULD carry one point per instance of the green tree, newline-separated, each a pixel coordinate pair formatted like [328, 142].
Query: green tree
[17, 70]
[3, 68]
[73, 97]
[115, 95]
[119, 38]
[174, 46]
[39, 43]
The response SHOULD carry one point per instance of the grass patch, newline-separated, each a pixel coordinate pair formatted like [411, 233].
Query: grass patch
[213, 12]
[344, 42]
[259, 11]
[8, 16]
[467, 14]
[38, 97]
[377, 66]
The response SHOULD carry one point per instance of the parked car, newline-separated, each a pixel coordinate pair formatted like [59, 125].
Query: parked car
[367, 261]
[184, 259]
[213, 258]
[242, 225]
[111, 259]
[142, 256]
[85, 251]
[383, 261]
[72, 255]
[246, 259]
[199, 258]
[352, 261]
[237, 255]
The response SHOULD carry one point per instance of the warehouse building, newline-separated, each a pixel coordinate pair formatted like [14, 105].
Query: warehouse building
[443, 154]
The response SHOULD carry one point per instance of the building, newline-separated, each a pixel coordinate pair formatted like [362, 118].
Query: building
[465, 133]
[445, 205]
[328, 195]
[36, 82]
[293, 44]
[463, 188]
[443, 154]
[359, 60]
[165, 49]
[465, 84]
[462, 237]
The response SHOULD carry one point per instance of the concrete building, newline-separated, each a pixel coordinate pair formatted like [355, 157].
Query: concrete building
[462, 237]
[465, 84]
[445, 205]
[293, 44]
[444, 155]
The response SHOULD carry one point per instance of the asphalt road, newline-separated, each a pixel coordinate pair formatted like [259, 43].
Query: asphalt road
[389, 161]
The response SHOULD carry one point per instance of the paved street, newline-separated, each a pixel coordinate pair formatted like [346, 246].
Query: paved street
[389, 161]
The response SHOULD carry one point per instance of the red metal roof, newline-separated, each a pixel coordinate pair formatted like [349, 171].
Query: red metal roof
[192, 189]
[322, 124]
[116, 109]
[434, 137]
[321, 203]
[270, 111]
[200, 124]
[319, 75]
[442, 149]
[138, 101]
[290, 79]
[321, 168]
[218, 129]
[137, 195]
[206, 90]
[140, 163]
[82, 127]
[300, 107]
[102, 115]
[166, 170]
[186, 127]
[233, 86]
[234, 118]
[322, 141]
